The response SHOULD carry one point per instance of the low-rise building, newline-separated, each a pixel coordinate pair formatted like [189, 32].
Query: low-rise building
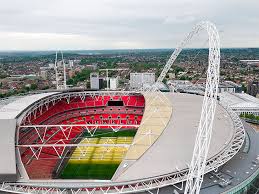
[229, 86]
[241, 103]
[141, 80]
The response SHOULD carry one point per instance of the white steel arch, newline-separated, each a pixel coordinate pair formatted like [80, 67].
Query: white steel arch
[202, 142]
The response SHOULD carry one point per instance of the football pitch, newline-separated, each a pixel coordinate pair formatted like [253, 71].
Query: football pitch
[97, 162]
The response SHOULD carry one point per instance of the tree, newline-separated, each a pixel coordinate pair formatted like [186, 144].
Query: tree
[34, 86]
[244, 88]
[79, 77]
[182, 77]
[70, 81]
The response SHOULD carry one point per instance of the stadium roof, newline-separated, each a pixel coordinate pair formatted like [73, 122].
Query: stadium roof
[8, 122]
[7, 150]
[172, 152]
[240, 100]
[14, 108]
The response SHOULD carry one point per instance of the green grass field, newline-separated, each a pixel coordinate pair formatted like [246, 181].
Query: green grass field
[97, 162]
[89, 171]
[104, 133]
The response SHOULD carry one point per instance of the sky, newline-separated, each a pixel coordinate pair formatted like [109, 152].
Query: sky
[123, 24]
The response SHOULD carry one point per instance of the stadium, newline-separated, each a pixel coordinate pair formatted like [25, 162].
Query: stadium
[94, 140]
[77, 141]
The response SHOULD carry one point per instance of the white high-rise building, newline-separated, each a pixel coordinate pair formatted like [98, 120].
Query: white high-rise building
[114, 83]
[71, 63]
[141, 80]
[94, 81]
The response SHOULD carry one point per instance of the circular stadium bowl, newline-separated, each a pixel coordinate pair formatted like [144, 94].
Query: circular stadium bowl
[113, 142]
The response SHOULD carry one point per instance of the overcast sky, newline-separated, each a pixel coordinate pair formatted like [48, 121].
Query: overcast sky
[123, 24]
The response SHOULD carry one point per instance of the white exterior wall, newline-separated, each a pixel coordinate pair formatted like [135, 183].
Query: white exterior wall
[94, 81]
[114, 83]
[138, 80]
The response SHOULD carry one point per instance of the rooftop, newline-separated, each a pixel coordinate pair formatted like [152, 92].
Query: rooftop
[240, 100]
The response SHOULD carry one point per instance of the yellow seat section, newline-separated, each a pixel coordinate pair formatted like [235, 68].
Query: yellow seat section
[91, 153]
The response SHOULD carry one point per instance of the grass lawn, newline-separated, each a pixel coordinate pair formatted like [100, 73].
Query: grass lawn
[97, 162]
[89, 171]
[105, 133]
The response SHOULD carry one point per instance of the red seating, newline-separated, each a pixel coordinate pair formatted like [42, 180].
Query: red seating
[44, 168]
[91, 110]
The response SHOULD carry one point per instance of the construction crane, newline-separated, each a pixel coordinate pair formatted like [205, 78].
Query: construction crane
[60, 72]
[107, 74]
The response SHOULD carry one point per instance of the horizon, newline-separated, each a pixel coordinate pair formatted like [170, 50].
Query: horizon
[122, 49]
[129, 24]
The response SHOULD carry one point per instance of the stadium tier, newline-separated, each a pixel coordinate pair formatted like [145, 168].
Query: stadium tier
[117, 110]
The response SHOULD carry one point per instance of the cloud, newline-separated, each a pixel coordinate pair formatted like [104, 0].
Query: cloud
[101, 24]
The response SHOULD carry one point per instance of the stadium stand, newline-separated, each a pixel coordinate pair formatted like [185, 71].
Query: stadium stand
[126, 110]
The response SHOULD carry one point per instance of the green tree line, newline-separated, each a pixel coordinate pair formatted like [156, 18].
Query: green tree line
[249, 116]
[79, 77]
